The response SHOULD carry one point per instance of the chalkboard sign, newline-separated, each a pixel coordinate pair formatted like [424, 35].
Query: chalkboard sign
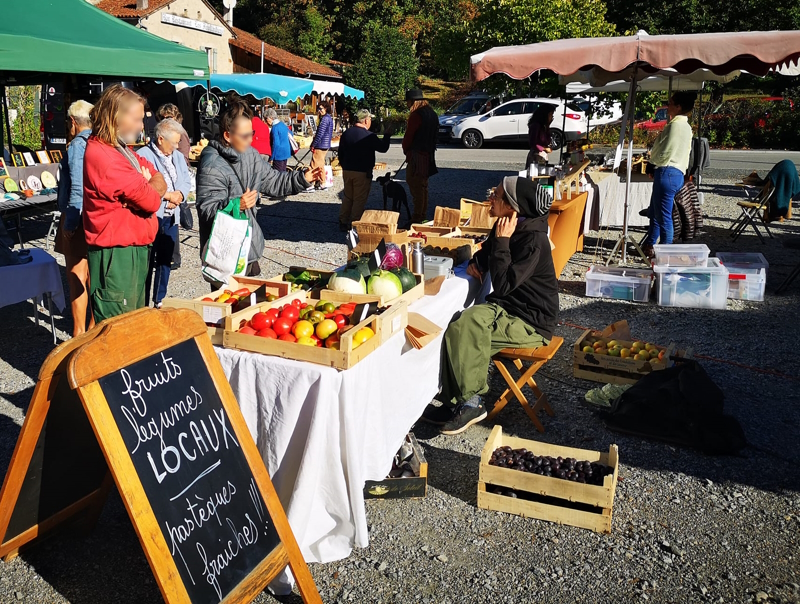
[184, 461]
[192, 469]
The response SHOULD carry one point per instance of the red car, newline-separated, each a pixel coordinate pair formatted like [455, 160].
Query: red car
[655, 123]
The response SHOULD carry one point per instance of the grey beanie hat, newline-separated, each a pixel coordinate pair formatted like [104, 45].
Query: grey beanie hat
[510, 188]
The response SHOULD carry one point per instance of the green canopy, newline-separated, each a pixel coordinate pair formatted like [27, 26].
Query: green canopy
[72, 36]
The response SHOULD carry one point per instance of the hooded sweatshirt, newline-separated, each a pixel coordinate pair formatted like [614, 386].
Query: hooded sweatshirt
[521, 266]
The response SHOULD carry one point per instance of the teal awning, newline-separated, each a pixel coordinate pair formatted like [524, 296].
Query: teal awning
[280, 89]
[72, 36]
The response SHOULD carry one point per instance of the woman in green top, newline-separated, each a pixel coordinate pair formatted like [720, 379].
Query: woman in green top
[670, 155]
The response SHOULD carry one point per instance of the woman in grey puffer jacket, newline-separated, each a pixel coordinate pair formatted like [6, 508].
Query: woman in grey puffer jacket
[231, 167]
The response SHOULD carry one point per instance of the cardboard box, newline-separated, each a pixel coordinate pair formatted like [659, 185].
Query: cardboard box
[402, 488]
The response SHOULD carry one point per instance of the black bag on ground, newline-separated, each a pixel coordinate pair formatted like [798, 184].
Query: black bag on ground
[680, 405]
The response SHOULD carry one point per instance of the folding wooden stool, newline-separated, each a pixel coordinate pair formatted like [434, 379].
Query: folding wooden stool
[537, 357]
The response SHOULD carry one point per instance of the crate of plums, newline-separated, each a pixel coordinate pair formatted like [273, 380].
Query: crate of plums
[408, 478]
[548, 482]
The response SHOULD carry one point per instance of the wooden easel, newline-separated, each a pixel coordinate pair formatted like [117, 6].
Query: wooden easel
[91, 363]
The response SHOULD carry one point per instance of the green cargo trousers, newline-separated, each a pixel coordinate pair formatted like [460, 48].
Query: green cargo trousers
[118, 276]
[469, 344]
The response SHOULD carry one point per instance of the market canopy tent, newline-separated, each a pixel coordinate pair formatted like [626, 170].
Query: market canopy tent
[632, 58]
[279, 88]
[41, 37]
[617, 58]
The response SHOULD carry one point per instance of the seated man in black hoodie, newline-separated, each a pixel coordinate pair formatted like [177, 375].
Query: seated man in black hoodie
[520, 313]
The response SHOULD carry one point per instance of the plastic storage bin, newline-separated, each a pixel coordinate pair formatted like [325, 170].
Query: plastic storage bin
[681, 255]
[619, 283]
[747, 275]
[693, 287]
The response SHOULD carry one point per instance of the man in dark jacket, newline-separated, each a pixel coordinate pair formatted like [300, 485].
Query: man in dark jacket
[230, 167]
[419, 145]
[520, 313]
[357, 149]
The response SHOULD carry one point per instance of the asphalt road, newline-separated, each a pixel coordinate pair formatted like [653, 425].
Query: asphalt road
[496, 157]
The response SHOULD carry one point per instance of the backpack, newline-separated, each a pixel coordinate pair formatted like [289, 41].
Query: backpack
[679, 405]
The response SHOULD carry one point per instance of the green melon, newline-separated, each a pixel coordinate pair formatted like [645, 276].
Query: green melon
[407, 278]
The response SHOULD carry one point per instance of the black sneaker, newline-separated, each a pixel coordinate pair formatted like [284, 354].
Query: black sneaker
[463, 418]
[438, 416]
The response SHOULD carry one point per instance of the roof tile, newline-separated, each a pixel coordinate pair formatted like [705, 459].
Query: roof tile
[300, 65]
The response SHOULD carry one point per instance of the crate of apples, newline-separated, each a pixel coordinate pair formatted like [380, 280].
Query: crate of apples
[317, 324]
[635, 351]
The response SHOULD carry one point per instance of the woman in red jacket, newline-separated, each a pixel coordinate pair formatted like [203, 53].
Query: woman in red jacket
[121, 193]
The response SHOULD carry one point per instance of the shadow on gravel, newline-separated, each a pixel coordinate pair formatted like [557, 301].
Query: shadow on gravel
[301, 220]
[10, 432]
[452, 472]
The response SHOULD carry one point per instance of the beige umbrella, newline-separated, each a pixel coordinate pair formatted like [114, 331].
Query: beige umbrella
[634, 58]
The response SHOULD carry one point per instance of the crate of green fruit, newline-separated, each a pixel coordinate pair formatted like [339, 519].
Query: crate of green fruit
[557, 484]
[615, 361]
[223, 303]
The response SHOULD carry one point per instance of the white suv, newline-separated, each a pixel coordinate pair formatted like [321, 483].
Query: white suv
[509, 121]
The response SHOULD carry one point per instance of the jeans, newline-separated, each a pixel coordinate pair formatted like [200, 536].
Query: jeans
[666, 183]
[161, 259]
[280, 164]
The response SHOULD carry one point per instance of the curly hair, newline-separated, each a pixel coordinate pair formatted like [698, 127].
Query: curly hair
[236, 109]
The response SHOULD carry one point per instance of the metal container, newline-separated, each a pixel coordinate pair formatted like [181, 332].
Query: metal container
[417, 259]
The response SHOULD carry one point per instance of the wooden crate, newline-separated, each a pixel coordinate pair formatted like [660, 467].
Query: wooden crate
[279, 278]
[402, 488]
[236, 320]
[216, 313]
[368, 242]
[388, 323]
[616, 370]
[554, 499]
[412, 295]
[430, 230]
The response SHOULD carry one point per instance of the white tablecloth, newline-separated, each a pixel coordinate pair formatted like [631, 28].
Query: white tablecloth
[22, 282]
[323, 432]
[607, 207]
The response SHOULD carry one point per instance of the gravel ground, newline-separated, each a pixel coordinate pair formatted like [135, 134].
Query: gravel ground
[687, 527]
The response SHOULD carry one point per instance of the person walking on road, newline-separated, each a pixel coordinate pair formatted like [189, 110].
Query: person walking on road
[357, 149]
[122, 192]
[670, 155]
[419, 146]
[279, 136]
[322, 139]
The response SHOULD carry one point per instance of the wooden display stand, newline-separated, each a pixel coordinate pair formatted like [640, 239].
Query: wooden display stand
[566, 233]
[148, 381]
[551, 499]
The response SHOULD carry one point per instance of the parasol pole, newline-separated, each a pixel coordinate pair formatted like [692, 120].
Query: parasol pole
[7, 120]
[630, 161]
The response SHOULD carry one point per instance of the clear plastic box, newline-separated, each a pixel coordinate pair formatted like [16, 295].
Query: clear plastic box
[693, 287]
[747, 275]
[619, 283]
[681, 254]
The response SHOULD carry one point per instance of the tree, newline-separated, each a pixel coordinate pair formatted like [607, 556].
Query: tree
[313, 37]
[488, 23]
[696, 16]
[386, 68]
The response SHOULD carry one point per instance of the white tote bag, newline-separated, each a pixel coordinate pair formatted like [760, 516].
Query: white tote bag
[227, 248]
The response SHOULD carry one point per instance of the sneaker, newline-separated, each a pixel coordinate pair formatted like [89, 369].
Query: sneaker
[463, 417]
[438, 416]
